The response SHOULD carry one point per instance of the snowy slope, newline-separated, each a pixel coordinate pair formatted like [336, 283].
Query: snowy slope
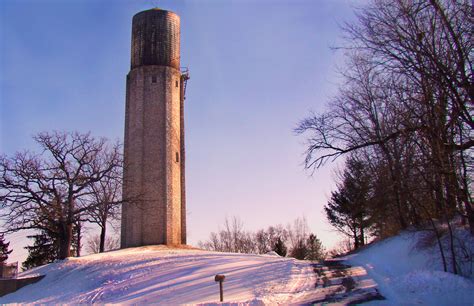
[168, 276]
[407, 275]
[157, 274]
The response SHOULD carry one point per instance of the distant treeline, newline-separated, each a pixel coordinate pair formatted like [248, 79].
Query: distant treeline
[294, 240]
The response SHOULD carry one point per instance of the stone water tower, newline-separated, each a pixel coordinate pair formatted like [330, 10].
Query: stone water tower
[154, 211]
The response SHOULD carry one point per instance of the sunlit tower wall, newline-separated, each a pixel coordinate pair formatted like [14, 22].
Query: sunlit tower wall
[154, 211]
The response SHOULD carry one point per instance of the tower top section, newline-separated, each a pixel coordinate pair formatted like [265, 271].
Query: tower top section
[155, 39]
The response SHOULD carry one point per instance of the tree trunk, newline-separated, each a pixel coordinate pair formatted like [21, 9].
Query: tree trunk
[78, 237]
[470, 216]
[102, 238]
[465, 194]
[65, 239]
[356, 240]
[395, 180]
[440, 245]
[451, 183]
[439, 196]
[362, 236]
[453, 251]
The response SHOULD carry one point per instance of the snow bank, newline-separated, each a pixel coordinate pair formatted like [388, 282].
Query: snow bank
[272, 253]
[157, 274]
[408, 275]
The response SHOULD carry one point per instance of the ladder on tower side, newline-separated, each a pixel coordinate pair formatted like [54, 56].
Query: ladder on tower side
[184, 80]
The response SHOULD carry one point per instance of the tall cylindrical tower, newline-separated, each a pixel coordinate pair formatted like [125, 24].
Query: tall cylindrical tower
[154, 208]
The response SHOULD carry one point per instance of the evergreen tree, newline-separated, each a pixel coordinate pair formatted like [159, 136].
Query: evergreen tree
[280, 247]
[348, 210]
[4, 252]
[315, 248]
[300, 250]
[45, 249]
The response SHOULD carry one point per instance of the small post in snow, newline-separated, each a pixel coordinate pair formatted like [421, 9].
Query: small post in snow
[220, 278]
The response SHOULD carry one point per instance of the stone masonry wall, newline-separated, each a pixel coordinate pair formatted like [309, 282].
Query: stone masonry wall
[152, 157]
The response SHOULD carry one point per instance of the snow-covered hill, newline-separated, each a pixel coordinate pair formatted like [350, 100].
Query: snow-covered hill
[402, 274]
[157, 274]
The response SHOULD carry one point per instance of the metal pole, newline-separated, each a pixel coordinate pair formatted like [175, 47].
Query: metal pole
[222, 291]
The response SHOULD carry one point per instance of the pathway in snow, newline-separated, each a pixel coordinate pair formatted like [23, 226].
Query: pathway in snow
[298, 289]
[344, 284]
[330, 283]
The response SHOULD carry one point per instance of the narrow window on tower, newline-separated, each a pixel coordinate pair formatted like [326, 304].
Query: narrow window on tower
[177, 157]
[176, 83]
[153, 79]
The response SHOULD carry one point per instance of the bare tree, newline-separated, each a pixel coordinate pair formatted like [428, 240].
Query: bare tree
[343, 247]
[262, 242]
[298, 232]
[408, 90]
[407, 106]
[233, 238]
[94, 244]
[54, 183]
[105, 201]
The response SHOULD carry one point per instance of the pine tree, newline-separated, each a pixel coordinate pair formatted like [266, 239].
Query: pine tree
[348, 210]
[300, 250]
[45, 249]
[315, 248]
[280, 247]
[4, 252]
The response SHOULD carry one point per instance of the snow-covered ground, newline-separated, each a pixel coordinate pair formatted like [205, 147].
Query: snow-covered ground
[402, 274]
[408, 275]
[157, 274]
